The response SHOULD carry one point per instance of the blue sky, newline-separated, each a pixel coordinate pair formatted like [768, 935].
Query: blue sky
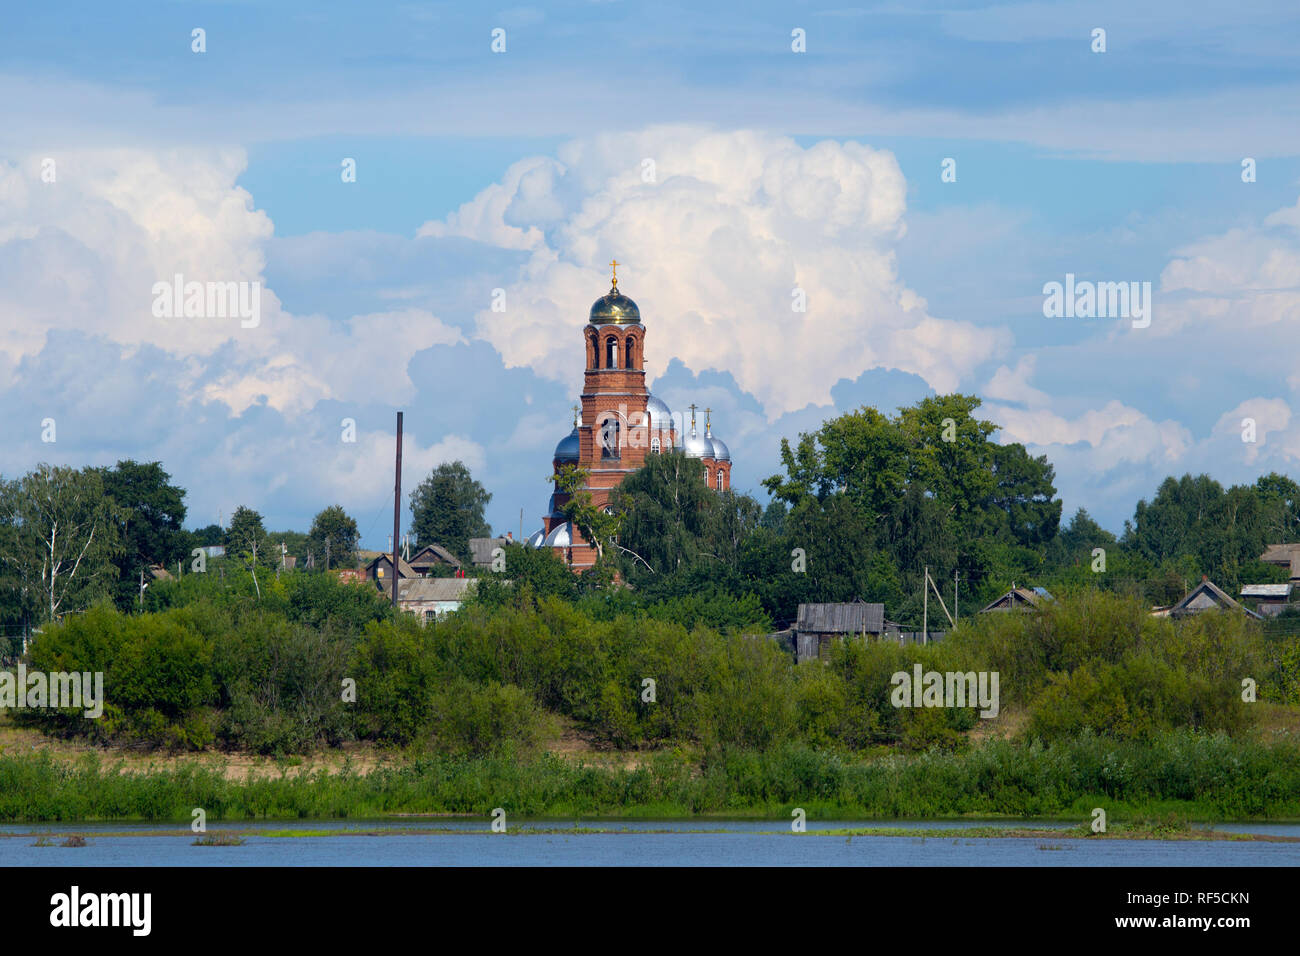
[523, 171]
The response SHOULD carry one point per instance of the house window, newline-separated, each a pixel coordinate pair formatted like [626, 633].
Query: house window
[627, 358]
[611, 352]
[719, 479]
[654, 445]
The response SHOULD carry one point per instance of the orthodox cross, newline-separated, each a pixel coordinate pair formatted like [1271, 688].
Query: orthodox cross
[613, 264]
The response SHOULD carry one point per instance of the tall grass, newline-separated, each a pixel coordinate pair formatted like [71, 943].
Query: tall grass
[1201, 776]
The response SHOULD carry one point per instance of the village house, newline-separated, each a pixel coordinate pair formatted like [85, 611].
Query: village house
[430, 599]
[432, 556]
[380, 569]
[1205, 596]
[1286, 556]
[1019, 599]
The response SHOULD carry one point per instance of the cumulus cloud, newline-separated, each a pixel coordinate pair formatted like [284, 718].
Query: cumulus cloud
[715, 231]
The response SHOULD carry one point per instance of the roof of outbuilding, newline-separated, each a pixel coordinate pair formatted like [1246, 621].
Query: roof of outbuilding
[855, 617]
[1266, 590]
[480, 549]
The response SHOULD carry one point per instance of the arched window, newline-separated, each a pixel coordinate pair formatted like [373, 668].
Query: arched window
[593, 352]
[629, 356]
[610, 446]
[611, 352]
[719, 479]
[654, 445]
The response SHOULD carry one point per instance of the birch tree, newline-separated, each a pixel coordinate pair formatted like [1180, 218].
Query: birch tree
[59, 538]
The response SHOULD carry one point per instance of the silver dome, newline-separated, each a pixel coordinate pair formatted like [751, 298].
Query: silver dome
[720, 450]
[536, 538]
[659, 416]
[568, 448]
[561, 536]
[697, 446]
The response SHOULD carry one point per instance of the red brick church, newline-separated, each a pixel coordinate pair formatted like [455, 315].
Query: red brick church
[619, 423]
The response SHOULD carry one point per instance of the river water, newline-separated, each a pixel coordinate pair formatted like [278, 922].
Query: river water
[446, 842]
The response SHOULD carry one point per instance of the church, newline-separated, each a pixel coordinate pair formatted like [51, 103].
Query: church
[619, 423]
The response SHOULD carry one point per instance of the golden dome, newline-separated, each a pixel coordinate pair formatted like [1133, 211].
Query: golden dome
[614, 308]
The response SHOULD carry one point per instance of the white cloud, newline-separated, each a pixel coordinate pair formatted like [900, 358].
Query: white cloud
[712, 250]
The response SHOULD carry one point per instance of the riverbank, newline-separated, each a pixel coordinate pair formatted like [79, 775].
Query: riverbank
[234, 835]
[1181, 775]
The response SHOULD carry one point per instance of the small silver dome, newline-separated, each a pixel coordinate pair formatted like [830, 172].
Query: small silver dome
[659, 422]
[568, 448]
[697, 446]
[536, 538]
[720, 450]
[561, 536]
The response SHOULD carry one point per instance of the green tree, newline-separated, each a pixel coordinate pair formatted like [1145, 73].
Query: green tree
[1024, 492]
[333, 538]
[246, 538]
[59, 538]
[447, 509]
[599, 526]
[152, 514]
[663, 507]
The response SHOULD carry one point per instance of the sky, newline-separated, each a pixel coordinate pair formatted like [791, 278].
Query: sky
[918, 173]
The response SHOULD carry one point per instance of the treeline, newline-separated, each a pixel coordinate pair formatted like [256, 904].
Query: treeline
[863, 506]
[868, 501]
[72, 537]
[312, 662]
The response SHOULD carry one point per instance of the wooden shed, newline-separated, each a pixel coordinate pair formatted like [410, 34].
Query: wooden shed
[819, 624]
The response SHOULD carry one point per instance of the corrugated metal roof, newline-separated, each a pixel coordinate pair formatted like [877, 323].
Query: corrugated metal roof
[1266, 590]
[434, 589]
[856, 617]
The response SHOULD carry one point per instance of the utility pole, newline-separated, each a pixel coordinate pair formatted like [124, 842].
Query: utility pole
[327, 552]
[142, 589]
[925, 605]
[939, 596]
[397, 504]
[954, 595]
